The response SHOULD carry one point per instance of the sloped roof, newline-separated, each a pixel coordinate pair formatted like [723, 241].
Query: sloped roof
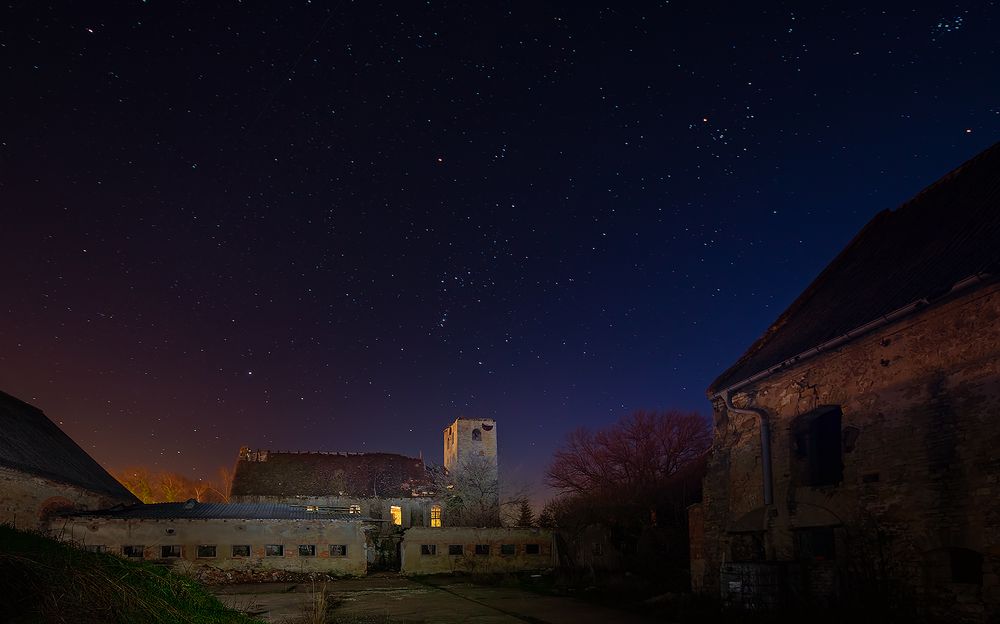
[231, 511]
[359, 475]
[32, 443]
[949, 232]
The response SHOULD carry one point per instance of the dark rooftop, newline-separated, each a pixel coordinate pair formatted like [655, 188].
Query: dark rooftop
[949, 232]
[228, 511]
[358, 475]
[32, 443]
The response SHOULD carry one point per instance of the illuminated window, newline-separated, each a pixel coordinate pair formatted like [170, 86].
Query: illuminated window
[241, 550]
[397, 515]
[170, 552]
[274, 550]
[428, 549]
[312, 508]
[307, 550]
[338, 550]
[355, 509]
[206, 551]
[436, 516]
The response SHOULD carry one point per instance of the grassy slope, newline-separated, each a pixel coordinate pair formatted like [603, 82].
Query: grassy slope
[42, 580]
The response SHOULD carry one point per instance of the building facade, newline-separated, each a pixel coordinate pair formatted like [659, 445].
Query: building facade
[43, 471]
[855, 443]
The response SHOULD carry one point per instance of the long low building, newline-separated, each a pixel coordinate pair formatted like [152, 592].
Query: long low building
[226, 536]
[476, 550]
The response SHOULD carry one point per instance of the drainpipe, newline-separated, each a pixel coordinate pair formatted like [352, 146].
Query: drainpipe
[765, 443]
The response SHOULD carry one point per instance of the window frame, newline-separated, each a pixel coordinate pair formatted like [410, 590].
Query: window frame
[269, 548]
[309, 548]
[342, 548]
[233, 554]
[171, 548]
[452, 547]
[198, 551]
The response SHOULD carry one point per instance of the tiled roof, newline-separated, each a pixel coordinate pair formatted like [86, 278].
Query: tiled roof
[947, 233]
[32, 443]
[233, 511]
[359, 475]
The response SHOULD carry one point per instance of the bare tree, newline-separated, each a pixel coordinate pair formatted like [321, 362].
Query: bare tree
[633, 458]
[470, 494]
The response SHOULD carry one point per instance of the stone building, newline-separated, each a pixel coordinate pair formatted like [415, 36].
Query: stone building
[227, 537]
[42, 471]
[855, 443]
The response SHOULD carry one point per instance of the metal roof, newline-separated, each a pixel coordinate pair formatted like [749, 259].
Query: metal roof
[228, 511]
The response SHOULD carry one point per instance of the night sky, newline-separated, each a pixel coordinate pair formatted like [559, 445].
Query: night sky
[338, 226]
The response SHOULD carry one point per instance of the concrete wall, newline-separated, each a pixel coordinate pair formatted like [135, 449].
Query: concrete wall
[114, 534]
[920, 402]
[27, 500]
[414, 562]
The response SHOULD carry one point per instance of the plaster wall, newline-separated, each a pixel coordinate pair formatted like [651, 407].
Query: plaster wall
[414, 561]
[115, 533]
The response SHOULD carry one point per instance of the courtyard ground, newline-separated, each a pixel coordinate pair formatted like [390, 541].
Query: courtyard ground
[393, 599]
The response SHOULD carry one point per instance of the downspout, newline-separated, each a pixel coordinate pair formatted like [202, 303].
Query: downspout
[765, 443]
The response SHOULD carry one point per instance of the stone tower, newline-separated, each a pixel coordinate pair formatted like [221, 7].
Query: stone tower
[469, 438]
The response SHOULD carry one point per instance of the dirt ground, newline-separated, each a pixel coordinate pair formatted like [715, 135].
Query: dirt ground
[432, 600]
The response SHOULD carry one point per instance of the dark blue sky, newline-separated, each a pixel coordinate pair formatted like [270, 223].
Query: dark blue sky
[338, 226]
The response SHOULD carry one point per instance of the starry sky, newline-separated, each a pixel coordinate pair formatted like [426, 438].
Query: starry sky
[338, 226]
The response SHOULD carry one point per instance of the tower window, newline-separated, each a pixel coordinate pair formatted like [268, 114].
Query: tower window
[477, 435]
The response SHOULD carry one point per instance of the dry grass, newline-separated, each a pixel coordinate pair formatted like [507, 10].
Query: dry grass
[50, 581]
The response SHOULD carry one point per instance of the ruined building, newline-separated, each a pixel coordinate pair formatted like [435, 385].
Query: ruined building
[856, 442]
[43, 471]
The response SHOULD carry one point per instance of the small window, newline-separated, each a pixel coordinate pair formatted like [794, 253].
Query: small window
[355, 509]
[312, 508]
[482, 549]
[206, 551]
[436, 516]
[307, 550]
[170, 552]
[597, 549]
[241, 550]
[134, 552]
[508, 549]
[455, 549]
[428, 549]
[397, 515]
[338, 550]
[477, 435]
[96, 548]
[532, 549]
[966, 566]
[274, 550]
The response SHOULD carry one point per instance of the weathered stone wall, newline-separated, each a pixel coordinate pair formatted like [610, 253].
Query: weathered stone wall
[27, 500]
[416, 560]
[470, 438]
[115, 533]
[920, 402]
